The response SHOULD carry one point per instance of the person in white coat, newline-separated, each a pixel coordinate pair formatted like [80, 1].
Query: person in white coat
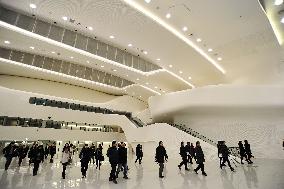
[64, 160]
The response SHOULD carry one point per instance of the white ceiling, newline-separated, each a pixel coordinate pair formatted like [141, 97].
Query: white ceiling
[237, 31]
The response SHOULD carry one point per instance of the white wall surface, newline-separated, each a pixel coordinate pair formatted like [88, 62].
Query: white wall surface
[144, 116]
[15, 103]
[33, 133]
[51, 88]
[230, 113]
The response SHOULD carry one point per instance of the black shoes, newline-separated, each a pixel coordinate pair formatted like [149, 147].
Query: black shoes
[232, 169]
[161, 176]
[204, 174]
[187, 169]
[179, 167]
[114, 181]
[125, 177]
[110, 179]
[195, 171]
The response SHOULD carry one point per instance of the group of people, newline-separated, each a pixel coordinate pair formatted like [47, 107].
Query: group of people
[117, 154]
[36, 153]
[224, 153]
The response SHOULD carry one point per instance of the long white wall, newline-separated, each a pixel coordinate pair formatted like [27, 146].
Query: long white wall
[15, 103]
[51, 88]
[229, 113]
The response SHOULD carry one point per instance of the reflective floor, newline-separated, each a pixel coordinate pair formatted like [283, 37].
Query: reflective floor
[265, 174]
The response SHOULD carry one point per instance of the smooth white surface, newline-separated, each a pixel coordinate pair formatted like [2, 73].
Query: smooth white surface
[263, 174]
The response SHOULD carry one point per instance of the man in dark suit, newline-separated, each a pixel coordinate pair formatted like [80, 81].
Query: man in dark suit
[161, 156]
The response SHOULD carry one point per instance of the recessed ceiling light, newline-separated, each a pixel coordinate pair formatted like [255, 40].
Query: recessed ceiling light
[180, 72]
[156, 87]
[53, 52]
[282, 20]
[147, 1]
[168, 15]
[170, 66]
[210, 50]
[114, 70]
[147, 83]
[184, 28]
[102, 66]
[88, 61]
[145, 52]
[189, 78]
[198, 40]
[129, 45]
[140, 96]
[32, 48]
[164, 91]
[125, 90]
[278, 2]
[137, 79]
[7, 42]
[64, 18]
[112, 37]
[126, 75]
[90, 27]
[33, 6]
[71, 57]
[219, 58]
[158, 59]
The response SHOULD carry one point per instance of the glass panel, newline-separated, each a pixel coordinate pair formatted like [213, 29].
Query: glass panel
[81, 42]
[56, 33]
[38, 61]
[17, 56]
[88, 74]
[5, 53]
[8, 16]
[26, 22]
[102, 49]
[111, 53]
[47, 64]
[56, 65]
[92, 46]
[42, 28]
[28, 58]
[73, 69]
[69, 38]
[65, 67]
[119, 56]
[128, 59]
[135, 62]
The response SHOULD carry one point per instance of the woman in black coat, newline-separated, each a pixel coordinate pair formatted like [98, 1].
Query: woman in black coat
[242, 152]
[248, 152]
[199, 158]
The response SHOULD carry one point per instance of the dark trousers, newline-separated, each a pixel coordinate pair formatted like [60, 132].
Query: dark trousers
[93, 158]
[161, 169]
[84, 167]
[51, 158]
[189, 159]
[8, 162]
[36, 166]
[226, 159]
[200, 166]
[98, 163]
[120, 165]
[138, 158]
[20, 160]
[64, 169]
[184, 162]
[112, 175]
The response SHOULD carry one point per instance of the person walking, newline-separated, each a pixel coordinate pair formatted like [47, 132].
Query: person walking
[248, 152]
[52, 151]
[22, 153]
[37, 156]
[9, 152]
[188, 156]
[192, 152]
[64, 160]
[182, 152]
[160, 157]
[99, 156]
[225, 155]
[122, 160]
[242, 152]
[139, 153]
[84, 159]
[199, 159]
[112, 154]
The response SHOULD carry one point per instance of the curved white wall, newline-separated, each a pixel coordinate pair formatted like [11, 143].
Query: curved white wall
[230, 113]
[51, 88]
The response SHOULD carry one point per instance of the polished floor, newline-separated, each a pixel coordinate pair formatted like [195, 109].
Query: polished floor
[264, 174]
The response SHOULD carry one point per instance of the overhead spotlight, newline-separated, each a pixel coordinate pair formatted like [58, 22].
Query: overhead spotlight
[114, 70]
[102, 66]
[210, 50]
[158, 59]
[137, 79]
[7, 42]
[180, 72]
[145, 52]
[184, 28]
[147, 83]
[129, 45]
[112, 37]
[198, 40]
[168, 15]
[33, 6]
[219, 58]
[282, 20]
[140, 96]
[148, 1]
[278, 2]
[170, 66]
[32, 48]
[53, 52]
[126, 75]
[156, 87]
[164, 91]
[71, 57]
[90, 28]
[189, 78]
[88, 61]
[64, 18]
